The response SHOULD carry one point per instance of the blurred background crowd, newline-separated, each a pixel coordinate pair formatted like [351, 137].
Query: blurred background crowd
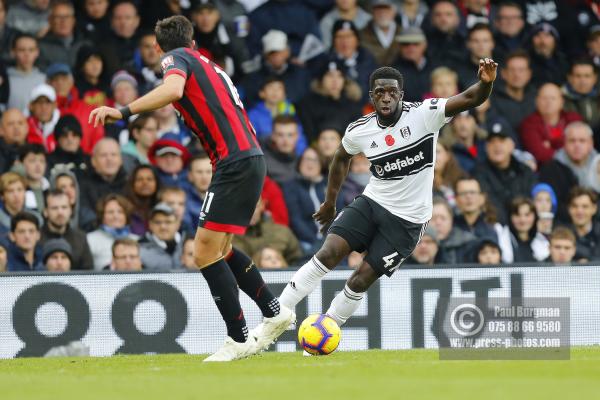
[516, 180]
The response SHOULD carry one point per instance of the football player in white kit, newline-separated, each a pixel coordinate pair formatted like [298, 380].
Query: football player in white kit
[388, 219]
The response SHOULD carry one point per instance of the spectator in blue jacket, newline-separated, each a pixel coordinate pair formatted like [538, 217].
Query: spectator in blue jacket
[24, 250]
[303, 196]
[274, 103]
[276, 61]
[170, 158]
[466, 140]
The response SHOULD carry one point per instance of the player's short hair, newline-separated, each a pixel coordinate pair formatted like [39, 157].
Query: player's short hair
[386, 73]
[579, 191]
[583, 61]
[563, 233]
[479, 27]
[174, 32]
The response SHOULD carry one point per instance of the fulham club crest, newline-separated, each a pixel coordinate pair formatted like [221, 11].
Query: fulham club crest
[405, 132]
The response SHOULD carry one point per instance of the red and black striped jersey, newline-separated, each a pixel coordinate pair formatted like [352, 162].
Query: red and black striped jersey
[211, 107]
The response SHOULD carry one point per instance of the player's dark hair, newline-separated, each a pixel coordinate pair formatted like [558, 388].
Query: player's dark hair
[583, 61]
[24, 216]
[31, 148]
[174, 32]
[386, 73]
[479, 27]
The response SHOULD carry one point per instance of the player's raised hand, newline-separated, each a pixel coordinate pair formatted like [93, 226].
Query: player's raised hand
[487, 70]
[104, 115]
[325, 215]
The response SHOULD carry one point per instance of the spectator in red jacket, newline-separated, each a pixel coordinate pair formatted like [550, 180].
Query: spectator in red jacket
[542, 133]
[274, 202]
[61, 79]
[43, 116]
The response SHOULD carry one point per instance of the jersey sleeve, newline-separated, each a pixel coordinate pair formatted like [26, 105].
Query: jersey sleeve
[435, 114]
[350, 144]
[174, 62]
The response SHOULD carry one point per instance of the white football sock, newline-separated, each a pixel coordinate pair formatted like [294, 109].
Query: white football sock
[304, 281]
[344, 305]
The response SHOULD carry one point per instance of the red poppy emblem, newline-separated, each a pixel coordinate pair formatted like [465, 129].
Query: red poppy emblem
[389, 140]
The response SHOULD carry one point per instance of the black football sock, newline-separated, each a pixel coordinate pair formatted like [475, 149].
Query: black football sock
[225, 295]
[251, 282]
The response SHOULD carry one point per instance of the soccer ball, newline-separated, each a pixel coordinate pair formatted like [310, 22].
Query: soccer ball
[319, 334]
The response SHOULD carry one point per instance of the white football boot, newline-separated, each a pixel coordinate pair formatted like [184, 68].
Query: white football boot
[267, 332]
[232, 350]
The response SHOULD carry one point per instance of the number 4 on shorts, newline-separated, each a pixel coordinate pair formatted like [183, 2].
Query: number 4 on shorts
[389, 262]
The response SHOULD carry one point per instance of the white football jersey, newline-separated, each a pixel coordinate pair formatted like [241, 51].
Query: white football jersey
[402, 157]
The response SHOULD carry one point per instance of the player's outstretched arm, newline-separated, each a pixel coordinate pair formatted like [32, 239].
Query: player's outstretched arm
[476, 94]
[171, 90]
[338, 170]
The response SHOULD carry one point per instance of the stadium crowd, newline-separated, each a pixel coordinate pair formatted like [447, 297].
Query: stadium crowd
[516, 180]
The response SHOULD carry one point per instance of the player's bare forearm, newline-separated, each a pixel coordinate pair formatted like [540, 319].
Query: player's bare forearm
[477, 93]
[171, 90]
[338, 171]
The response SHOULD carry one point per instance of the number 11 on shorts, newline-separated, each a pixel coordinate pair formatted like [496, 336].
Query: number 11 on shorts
[206, 205]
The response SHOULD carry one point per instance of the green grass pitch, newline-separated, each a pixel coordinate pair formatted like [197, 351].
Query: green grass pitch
[411, 374]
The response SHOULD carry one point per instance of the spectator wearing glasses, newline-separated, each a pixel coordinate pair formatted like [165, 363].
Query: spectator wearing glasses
[510, 29]
[161, 247]
[61, 43]
[126, 256]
